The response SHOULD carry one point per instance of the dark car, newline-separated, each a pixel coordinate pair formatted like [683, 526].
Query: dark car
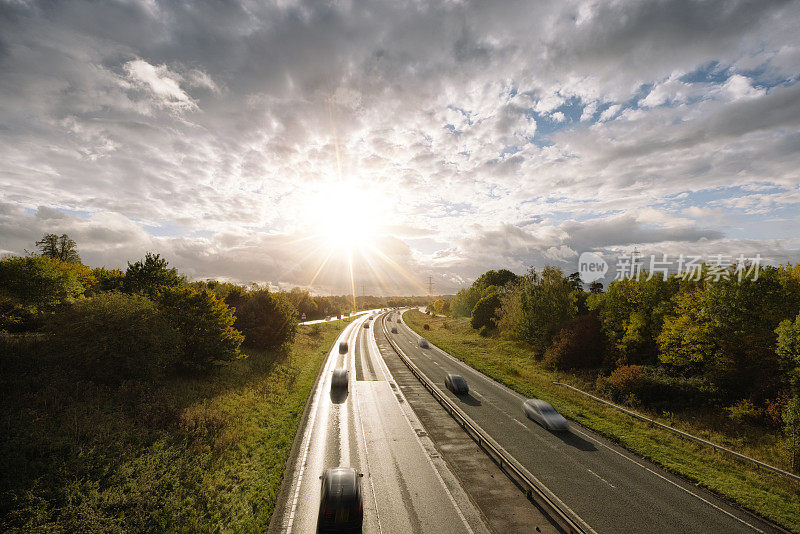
[394, 330]
[398, 320]
[456, 384]
[424, 343]
[342, 347]
[340, 380]
[341, 507]
[544, 414]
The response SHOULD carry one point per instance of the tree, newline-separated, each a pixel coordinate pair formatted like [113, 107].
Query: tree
[788, 349]
[545, 304]
[267, 320]
[38, 281]
[685, 341]
[59, 248]
[148, 277]
[579, 345]
[499, 279]
[483, 314]
[596, 287]
[206, 326]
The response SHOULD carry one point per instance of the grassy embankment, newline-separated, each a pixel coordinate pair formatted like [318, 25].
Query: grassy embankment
[512, 364]
[189, 454]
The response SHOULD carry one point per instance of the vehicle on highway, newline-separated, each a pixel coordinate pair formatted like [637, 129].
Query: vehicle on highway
[398, 320]
[394, 330]
[342, 347]
[341, 508]
[424, 343]
[543, 413]
[366, 324]
[340, 380]
[456, 384]
[328, 318]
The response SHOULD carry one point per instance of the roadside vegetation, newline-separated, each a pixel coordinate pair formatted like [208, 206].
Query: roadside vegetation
[719, 359]
[137, 400]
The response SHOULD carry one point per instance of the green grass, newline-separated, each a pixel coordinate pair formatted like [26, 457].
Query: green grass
[512, 364]
[189, 454]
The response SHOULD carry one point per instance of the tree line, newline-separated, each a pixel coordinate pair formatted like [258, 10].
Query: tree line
[147, 320]
[667, 342]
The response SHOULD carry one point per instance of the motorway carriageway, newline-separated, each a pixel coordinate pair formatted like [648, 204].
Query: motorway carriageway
[612, 490]
[407, 486]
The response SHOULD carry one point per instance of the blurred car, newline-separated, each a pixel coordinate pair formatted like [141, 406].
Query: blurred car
[341, 507]
[456, 384]
[342, 347]
[340, 380]
[543, 413]
[394, 330]
[424, 343]
[366, 324]
[398, 320]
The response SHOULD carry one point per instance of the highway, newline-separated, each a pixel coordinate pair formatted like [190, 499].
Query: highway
[407, 487]
[612, 490]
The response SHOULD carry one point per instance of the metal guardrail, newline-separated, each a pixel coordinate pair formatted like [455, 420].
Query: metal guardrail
[566, 520]
[686, 434]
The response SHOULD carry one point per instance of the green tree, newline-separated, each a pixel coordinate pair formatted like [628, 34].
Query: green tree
[267, 320]
[499, 279]
[206, 326]
[150, 275]
[545, 306]
[61, 248]
[483, 314]
[109, 279]
[112, 337]
[788, 349]
[685, 341]
[39, 282]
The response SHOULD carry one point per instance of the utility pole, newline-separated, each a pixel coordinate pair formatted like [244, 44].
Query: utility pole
[430, 286]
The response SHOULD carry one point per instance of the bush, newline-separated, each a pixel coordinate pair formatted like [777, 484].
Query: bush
[743, 412]
[113, 337]
[484, 331]
[267, 320]
[426, 326]
[579, 345]
[205, 324]
[625, 380]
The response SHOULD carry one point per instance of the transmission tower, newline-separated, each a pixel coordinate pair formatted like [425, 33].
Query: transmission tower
[430, 286]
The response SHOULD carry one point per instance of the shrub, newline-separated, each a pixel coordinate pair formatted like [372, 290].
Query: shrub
[426, 326]
[484, 331]
[625, 380]
[113, 337]
[579, 345]
[267, 320]
[743, 412]
[205, 324]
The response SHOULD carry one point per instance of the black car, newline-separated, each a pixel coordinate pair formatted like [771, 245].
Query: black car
[423, 343]
[341, 507]
[342, 347]
[394, 330]
[340, 380]
[456, 384]
[366, 324]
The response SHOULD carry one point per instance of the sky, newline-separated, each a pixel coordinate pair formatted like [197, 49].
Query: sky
[374, 146]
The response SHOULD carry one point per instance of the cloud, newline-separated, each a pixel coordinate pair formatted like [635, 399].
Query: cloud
[162, 122]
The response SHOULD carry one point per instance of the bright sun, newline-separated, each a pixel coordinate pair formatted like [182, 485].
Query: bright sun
[346, 214]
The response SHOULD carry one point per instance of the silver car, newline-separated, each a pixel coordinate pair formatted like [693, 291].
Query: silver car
[543, 413]
[394, 330]
[424, 343]
[342, 347]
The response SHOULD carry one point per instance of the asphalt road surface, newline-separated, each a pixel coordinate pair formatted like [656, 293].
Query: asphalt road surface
[407, 487]
[611, 489]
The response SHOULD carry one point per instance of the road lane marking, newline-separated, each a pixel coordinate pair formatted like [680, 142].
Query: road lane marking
[659, 475]
[310, 429]
[601, 478]
[399, 392]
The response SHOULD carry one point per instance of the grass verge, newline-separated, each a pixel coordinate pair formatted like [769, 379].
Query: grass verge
[187, 455]
[769, 495]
